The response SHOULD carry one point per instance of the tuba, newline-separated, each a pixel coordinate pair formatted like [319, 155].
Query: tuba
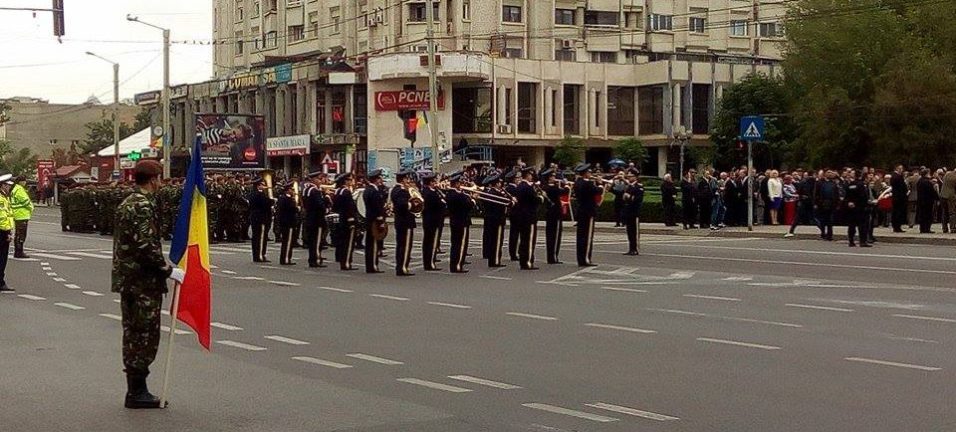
[416, 203]
[267, 178]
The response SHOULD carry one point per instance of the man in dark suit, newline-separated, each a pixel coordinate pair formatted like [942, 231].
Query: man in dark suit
[926, 200]
[344, 204]
[688, 191]
[374, 217]
[526, 218]
[633, 202]
[260, 211]
[286, 215]
[511, 187]
[433, 218]
[669, 200]
[316, 205]
[404, 222]
[589, 198]
[900, 190]
[460, 206]
[554, 213]
[493, 233]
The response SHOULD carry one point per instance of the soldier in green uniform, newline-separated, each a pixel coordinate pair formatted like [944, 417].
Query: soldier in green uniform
[139, 276]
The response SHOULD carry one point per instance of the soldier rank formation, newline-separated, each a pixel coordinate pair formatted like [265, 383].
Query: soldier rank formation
[326, 211]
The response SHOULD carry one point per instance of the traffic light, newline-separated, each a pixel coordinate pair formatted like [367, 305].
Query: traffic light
[59, 28]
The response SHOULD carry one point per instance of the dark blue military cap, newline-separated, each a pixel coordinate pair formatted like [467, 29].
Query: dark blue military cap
[314, 174]
[509, 176]
[546, 173]
[428, 176]
[258, 181]
[375, 173]
[455, 177]
[341, 178]
[491, 179]
[582, 168]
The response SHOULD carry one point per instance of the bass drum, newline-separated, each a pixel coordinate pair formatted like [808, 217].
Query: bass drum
[359, 197]
[335, 231]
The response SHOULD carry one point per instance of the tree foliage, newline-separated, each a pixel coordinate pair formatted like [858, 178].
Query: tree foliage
[16, 162]
[569, 152]
[144, 119]
[631, 150]
[756, 94]
[4, 112]
[99, 135]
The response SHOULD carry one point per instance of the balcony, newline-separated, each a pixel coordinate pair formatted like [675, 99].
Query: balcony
[414, 65]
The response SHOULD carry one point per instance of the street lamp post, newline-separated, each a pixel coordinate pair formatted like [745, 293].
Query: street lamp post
[167, 144]
[683, 137]
[116, 133]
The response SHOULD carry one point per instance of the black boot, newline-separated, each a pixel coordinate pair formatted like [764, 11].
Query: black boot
[138, 395]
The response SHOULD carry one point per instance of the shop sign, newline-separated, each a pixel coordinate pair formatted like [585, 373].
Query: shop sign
[274, 75]
[406, 100]
[297, 145]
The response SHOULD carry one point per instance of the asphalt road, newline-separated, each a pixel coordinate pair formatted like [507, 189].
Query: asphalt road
[693, 335]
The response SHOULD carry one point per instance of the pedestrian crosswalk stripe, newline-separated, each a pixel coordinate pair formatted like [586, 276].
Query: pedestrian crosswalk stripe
[56, 257]
[569, 412]
[484, 382]
[375, 359]
[225, 326]
[31, 297]
[93, 293]
[321, 362]
[69, 306]
[91, 255]
[112, 316]
[284, 339]
[434, 385]
[632, 411]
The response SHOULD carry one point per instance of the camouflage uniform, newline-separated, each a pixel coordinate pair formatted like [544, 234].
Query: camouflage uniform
[139, 275]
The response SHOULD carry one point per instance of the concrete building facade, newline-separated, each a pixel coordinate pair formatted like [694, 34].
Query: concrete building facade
[42, 126]
[515, 76]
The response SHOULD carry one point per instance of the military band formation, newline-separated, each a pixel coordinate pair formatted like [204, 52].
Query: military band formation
[342, 213]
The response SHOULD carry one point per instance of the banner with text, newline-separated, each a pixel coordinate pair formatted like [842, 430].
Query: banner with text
[406, 100]
[297, 145]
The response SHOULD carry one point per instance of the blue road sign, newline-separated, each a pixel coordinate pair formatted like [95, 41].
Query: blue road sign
[752, 128]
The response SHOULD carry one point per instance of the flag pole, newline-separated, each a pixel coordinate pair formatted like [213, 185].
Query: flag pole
[174, 315]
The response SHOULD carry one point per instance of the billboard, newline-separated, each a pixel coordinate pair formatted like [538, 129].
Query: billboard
[45, 170]
[406, 100]
[232, 141]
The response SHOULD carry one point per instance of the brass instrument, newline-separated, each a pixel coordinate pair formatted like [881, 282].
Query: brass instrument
[416, 203]
[488, 197]
[267, 176]
[296, 195]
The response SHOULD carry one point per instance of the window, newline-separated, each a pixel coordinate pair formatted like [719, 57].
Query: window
[360, 109]
[738, 27]
[258, 38]
[338, 111]
[698, 24]
[701, 108]
[572, 105]
[565, 54]
[564, 16]
[508, 106]
[513, 53]
[296, 33]
[620, 111]
[471, 110]
[271, 39]
[239, 16]
[650, 105]
[601, 18]
[418, 13]
[511, 14]
[658, 22]
[466, 10]
[527, 107]
[633, 20]
[239, 49]
[256, 9]
[363, 15]
[770, 30]
[554, 108]
[313, 24]
[335, 16]
[320, 115]
[604, 57]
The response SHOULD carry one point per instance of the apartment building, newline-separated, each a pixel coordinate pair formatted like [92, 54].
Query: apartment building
[515, 76]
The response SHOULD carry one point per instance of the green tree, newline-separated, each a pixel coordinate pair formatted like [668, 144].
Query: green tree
[756, 94]
[144, 119]
[99, 135]
[631, 150]
[569, 152]
[4, 112]
[17, 162]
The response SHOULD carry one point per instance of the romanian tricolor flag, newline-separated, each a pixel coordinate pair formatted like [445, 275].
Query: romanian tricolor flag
[190, 251]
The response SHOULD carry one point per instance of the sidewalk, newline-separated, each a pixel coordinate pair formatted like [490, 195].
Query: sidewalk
[803, 232]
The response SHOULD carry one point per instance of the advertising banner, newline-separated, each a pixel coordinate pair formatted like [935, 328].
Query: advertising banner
[232, 141]
[405, 100]
[297, 145]
[45, 170]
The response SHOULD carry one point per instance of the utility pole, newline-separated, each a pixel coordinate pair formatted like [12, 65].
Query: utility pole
[116, 137]
[166, 139]
[432, 84]
[750, 185]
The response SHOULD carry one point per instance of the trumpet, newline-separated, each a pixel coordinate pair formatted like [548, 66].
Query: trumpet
[488, 197]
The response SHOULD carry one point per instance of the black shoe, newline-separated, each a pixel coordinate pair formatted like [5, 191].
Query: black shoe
[265, 261]
[459, 271]
[317, 265]
[555, 262]
[374, 271]
[405, 274]
[852, 244]
[513, 259]
[5, 288]
[632, 253]
[21, 255]
[497, 266]
[587, 265]
[138, 395]
[344, 268]
[466, 262]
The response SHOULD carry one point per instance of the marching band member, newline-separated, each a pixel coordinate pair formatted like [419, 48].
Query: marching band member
[316, 205]
[460, 205]
[511, 187]
[588, 195]
[433, 219]
[344, 205]
[374, 215]
[383, 195]
[260, 210]
[526, 218]
[493, 233]
[404, 223]
[633, 201]
[554, 214]
[286, 215]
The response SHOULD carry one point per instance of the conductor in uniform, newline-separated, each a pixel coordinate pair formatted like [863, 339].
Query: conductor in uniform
[588, 196]
[526, 218]
[553, 215]
[460, 206]
[260, 211]
[433, 219]
[374, 216]
[316, 205]
[139, 275]
[286, 214]
[493, 234]
[344, 205]
[633, 201]
[404, 223]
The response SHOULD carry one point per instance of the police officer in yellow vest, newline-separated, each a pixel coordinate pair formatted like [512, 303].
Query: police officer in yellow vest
[22, 212]
[6, 227]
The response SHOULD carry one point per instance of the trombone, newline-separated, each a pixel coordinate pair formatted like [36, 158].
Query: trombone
[488, 197]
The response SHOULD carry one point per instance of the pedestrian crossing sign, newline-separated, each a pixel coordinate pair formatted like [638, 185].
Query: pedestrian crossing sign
[752, 128]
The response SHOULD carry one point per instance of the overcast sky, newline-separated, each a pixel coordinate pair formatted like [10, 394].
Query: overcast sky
[34, 64]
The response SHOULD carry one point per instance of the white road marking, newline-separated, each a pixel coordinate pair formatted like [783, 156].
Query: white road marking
[335, 289]
[743, 344]
[926, 318]
[434, 385]
[93, 293]
[230, 249]
[249, 278]
[484, 382]
[216, 252]
[682, 275]
[706, 297]
[112, 317]
[320, 362]
[632, 411]
[116, 300]
[451, 305]
[23, 259]
[91, 255]
[826, 308]
[532, 316]
[228, 272]
[72, 286]
[241, 345]
[632, 290]
[178, 331]
[800, 263]
[281, 283]
[388, 297]
[569, 412]
[375, 359]
[44, 263]
[69, 306]
[31, 297]
[164, 312]
[56, 257]
[51, 274]
[47, 268]
[889, 363]
[59, 279]
[811, 252]
[621, 328]
[748, 320]
[738, 278]
[225, 326]
[284, 339]
[496, 277]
